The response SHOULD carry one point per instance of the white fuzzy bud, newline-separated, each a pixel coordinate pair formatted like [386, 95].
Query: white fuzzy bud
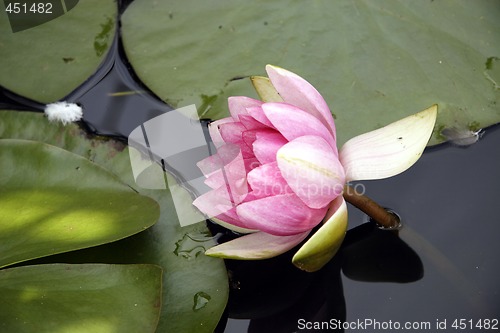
[64, 112]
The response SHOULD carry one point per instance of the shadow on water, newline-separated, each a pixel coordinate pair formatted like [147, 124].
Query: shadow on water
[277, 297]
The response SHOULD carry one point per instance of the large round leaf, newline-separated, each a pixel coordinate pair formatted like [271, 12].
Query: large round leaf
[374, 62]
[80, 298]
[48, 61]
[195, 287]
[55, 201]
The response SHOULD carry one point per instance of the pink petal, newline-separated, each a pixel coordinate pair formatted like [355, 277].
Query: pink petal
[297, 91]
[267, 145]
[268, 138]
[256, 246]
[232, 177]
[312, 170]
[251, 123]
[214, 203]
[213, 129]
[225, 154]
[232, 132]
[221, 210]
[249, 137]
[230, 221]
[226, 169]
[280, 215]
[258, 114]
[230, 216]
[293, 122]
[238, 104]
[266, 181]
[210, 165]
[251, 163]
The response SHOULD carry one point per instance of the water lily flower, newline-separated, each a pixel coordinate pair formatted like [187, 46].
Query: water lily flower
[278, 173]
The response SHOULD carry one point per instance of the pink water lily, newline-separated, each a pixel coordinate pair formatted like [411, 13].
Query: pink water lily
[278, 174]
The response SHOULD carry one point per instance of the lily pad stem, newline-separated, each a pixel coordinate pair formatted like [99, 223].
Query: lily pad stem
[378, 213]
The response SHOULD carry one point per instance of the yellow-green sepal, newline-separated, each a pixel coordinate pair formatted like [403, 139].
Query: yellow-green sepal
[265, 89]
[325, 243]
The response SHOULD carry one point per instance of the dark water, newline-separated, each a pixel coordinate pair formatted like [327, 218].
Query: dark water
[442, 265]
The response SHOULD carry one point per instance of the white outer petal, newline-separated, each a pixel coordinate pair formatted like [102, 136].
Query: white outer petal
[232, 227]
[259, 245]
[389, 150]
[213, 129]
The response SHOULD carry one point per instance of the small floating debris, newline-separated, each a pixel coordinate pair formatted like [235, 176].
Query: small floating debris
[63, 112]
[461, 137]
[126, 93]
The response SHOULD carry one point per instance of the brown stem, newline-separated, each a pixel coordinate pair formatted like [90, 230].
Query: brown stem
[371, 208]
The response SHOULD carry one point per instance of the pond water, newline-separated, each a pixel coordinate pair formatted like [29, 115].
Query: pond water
[442, 265]
[440, 269]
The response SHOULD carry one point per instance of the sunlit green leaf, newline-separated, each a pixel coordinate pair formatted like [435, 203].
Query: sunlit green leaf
[189, 275]
[63, 298]
[48, 61]
[374, 61]
[55, 201]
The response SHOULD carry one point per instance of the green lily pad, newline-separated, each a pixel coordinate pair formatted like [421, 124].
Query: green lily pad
[195, 286]
[48, 61]
[374, 62]
[80, 298]
[55, 201]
